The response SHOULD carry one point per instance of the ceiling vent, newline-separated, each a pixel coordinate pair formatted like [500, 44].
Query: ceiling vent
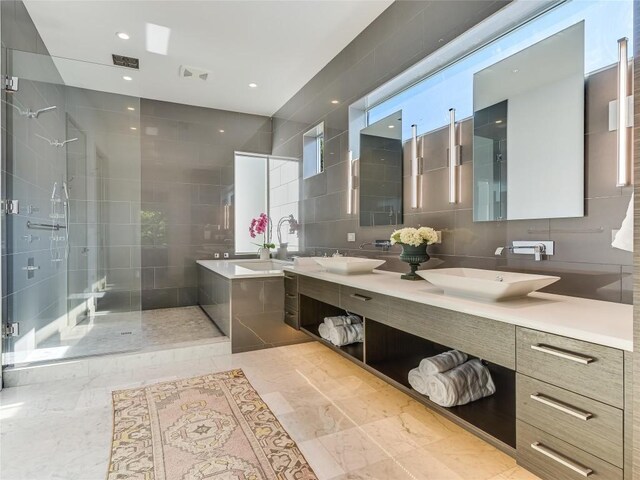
[193, 73]
[128, 62]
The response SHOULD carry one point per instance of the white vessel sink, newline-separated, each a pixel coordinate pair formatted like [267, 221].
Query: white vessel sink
[485, 284]
[348, 265]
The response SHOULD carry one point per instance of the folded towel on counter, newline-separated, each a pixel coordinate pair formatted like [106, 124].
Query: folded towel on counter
[464, 384]
[342, 320]
[624, 237]
[323, 330]
[346, 334]
[418, 381]
[442, 362]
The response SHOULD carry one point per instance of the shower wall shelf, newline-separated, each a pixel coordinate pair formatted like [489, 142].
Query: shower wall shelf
[44, 226]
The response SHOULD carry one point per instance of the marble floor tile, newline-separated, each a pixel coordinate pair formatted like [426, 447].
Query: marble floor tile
[348, 423]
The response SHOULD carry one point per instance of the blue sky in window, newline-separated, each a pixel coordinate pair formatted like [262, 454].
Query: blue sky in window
[427, 103]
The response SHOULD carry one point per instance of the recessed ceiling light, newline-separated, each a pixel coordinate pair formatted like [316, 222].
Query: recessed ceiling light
[127, 78]
[253, 85]
[392, 126]
[335, 102]
[123, 36]
[131, 109]
[133, 128]
[221, 131]
[158, 38]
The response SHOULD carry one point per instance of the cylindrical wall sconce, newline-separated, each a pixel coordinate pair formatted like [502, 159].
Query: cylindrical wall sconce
[624, 158]
[416, 170]
[454, 158]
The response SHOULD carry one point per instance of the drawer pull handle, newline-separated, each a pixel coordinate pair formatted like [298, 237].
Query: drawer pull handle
[357, 296]
[289, 277]
[574, 412]
[290, 295]
[561, 459]
[574, 357]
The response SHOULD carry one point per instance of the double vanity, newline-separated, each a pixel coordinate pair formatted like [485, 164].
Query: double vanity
[561, 365]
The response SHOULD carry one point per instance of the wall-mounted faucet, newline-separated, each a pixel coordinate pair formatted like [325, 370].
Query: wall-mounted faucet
[385, 245]
[524, 247]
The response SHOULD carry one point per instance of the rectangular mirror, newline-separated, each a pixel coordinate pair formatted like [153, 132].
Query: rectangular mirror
[380, 172]
[528, 134]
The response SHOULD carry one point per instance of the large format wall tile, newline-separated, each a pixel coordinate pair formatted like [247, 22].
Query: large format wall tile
[187, 178]
[405, 33]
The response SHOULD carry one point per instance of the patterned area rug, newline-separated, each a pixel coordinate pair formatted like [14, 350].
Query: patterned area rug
[210, 427]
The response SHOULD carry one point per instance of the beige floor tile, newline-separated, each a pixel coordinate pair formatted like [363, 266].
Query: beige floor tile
[470, 457]
[352, 449]
[516, 473]
[322, 462]
[314, 421]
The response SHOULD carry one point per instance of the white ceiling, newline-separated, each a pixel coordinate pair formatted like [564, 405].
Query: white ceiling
[280, 45]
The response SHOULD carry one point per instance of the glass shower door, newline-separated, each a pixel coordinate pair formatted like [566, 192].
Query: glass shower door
[72, 247]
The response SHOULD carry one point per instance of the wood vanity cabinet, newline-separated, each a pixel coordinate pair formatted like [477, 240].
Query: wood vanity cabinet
[291, 317]
[570, 407]
[562, 406]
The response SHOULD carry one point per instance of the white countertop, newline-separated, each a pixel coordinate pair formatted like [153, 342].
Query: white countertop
[604, 323]
[247, 268]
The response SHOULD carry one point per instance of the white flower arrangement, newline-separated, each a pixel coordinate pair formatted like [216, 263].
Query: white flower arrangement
[414, 236]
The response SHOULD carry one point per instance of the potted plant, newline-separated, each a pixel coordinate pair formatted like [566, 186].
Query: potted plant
[262, 226]
[414, 242]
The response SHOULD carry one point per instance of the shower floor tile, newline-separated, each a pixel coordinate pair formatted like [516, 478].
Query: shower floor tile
[122, 332]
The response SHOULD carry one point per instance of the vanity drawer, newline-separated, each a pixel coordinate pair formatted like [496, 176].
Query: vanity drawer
[483, 338]
[290, 301]
[553, 459]
[586, 368]
[291, 318]
[290, 282]
[326, 292]
[590, 425]
[365, 303]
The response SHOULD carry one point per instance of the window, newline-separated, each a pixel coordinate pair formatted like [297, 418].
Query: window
[313, 151]
[250, 198]
[427, 102]
[270, 185]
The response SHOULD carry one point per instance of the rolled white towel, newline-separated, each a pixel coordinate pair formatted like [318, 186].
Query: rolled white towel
[418, 381]
[345, 334]
[323, 330]
[442, 362]
[464, 384]
[342, 320]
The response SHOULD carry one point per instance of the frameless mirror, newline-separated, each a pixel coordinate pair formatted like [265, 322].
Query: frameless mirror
[380, 172]
[528, 137]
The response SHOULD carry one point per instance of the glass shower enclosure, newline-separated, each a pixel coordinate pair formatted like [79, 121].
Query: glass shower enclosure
[71, 226]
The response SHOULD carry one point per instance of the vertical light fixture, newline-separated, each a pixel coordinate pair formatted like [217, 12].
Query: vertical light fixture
[454, 158]
[624, 159]
[416, 170]
[351, 185]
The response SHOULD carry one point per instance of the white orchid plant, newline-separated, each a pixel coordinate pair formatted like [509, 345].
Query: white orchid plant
[414, 236]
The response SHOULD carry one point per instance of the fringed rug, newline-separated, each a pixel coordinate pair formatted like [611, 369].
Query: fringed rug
[210, 427]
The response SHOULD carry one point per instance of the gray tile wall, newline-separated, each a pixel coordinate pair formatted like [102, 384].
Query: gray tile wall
[187, 179]
[30, 166]
[103, 174]
[403, 34]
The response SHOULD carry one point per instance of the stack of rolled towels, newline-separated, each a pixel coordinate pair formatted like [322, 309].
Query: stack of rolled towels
[342, 330]
[448, 379]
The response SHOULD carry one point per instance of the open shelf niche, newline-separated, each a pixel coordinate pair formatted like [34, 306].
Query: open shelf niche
[392, 353]
[312, 314]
